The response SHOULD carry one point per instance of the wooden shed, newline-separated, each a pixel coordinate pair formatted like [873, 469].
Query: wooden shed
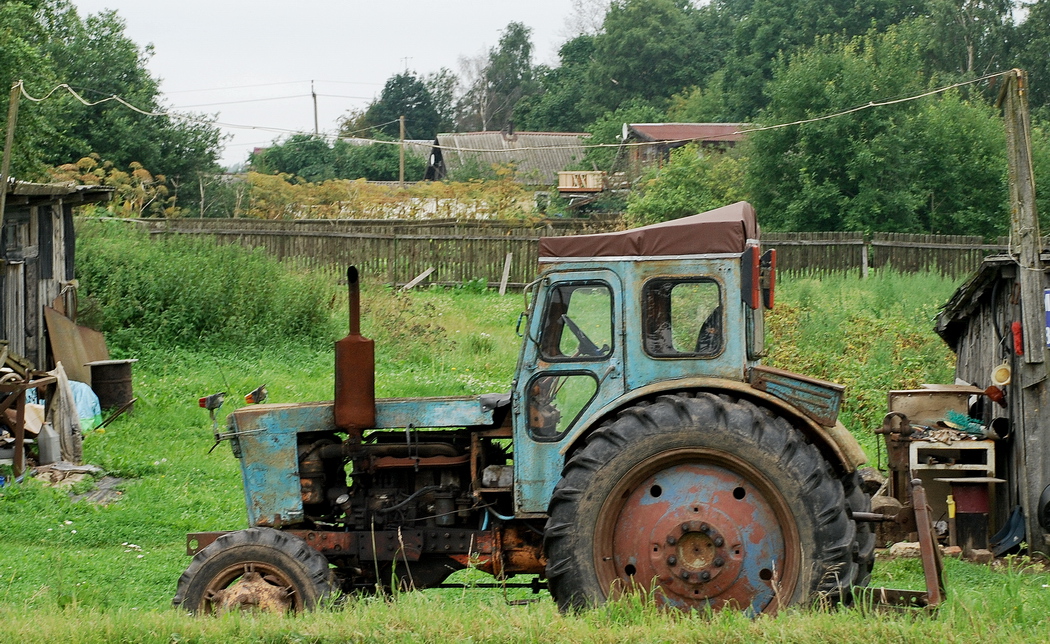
[37, 252]
[982, 325]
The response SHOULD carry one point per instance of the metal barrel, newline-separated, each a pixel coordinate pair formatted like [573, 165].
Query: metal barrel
[111, 382]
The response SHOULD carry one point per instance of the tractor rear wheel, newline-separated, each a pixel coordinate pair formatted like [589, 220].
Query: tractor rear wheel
[700, 501]
[258, 569]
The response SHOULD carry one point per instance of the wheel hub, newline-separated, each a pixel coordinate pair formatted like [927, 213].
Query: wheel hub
[252, 591]
[698, 533]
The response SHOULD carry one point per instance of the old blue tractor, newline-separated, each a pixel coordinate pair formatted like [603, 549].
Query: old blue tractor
[642, 447]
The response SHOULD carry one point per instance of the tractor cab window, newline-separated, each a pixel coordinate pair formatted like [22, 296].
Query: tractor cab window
[577, 324]
[683, 318]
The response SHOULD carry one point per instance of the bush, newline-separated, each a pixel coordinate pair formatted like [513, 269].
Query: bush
[156, 293]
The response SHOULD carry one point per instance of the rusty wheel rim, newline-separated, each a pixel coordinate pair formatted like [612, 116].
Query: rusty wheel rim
[251, 585]
[695, 528]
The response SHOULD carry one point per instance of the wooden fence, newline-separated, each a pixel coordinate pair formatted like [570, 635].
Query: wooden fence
[459, 251]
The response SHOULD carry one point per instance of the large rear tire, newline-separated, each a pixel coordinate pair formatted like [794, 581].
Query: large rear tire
[700, 501]
[258, 569]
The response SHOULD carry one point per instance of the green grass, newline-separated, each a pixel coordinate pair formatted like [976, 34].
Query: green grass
[83, 573]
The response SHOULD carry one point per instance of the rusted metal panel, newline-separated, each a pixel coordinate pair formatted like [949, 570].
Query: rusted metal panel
[391, 545]
[818, 399]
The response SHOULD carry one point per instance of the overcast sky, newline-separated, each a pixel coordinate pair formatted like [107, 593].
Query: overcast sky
[252, 62]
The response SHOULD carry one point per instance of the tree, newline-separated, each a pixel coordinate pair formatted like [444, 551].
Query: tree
[930, 166]
[648, 50]
[1032, 45]
[443, 85]
[404, 95]
[561, 105]
[498, 81]
[691, 182]
[970, 37]
[49, 43]
[762, 30]
[314, 160]
[22, 58]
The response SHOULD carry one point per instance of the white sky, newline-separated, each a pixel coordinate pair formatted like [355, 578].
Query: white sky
[211, 54]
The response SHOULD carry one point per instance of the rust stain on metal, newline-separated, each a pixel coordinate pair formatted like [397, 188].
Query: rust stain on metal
[355, 387]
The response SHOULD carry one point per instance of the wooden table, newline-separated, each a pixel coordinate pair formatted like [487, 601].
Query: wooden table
[14, 395]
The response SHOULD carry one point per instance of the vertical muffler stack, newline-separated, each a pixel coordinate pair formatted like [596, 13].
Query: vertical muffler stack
[355, 378]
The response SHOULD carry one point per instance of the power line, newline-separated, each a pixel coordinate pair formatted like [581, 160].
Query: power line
[218, 89]
[869, 105]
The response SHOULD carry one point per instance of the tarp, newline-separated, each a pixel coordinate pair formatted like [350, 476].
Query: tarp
[723, 230]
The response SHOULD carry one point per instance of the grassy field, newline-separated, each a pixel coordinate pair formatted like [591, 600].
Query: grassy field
[75, 571]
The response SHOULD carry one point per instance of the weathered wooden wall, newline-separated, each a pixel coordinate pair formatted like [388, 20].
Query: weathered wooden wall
[459, 251]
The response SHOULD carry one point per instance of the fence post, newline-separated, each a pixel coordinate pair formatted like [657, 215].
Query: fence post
[506, 274]
[864, 258]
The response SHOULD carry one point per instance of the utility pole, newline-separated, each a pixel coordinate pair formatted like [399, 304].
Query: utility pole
[317, 130]
[1025, 239]
[401, 175]
[9, 142]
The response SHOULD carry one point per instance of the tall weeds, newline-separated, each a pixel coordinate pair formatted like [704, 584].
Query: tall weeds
[158, 293]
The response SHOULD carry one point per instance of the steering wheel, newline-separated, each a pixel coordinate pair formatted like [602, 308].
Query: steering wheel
[587, 346]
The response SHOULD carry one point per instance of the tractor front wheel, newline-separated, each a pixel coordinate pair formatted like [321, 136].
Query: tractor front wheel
[255, 569]
[700, 501]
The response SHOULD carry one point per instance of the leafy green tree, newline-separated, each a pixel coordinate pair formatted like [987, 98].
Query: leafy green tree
[404, 95]
[762, 30]
[691, 182]
[647, 50]
[1031, 54]
[47, 43]
[501, 80]
[970, 37]
[22, 58]
[442, 86]
[561, 106]
[930, 166]
[314, 160]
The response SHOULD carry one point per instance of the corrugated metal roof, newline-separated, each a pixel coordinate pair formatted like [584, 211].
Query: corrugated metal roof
[715, 132]
[538, 156]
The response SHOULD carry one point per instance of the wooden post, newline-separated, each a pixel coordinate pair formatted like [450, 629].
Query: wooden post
[1025, 239]
[864, 259]
[506, 274]
[9, 142]
[401, 175]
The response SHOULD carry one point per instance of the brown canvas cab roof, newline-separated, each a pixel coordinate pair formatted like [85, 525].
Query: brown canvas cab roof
[723, 230]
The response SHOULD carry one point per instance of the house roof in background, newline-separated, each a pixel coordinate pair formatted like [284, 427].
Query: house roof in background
[538, 156]
[674, 132]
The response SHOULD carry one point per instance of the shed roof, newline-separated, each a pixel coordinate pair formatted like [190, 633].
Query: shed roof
[538, 156]
[723, 230]
[24, 193]
[685, 132]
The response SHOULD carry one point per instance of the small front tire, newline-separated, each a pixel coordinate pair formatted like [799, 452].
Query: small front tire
[255, 569]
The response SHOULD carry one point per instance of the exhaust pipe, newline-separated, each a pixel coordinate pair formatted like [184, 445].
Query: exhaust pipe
[355, 379]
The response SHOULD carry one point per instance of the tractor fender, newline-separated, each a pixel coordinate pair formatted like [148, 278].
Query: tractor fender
[836, 443]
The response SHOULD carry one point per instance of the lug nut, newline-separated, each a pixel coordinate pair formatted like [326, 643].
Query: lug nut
[685, 527]
[719, 562]
[685, 575]
[719, 542]
[672, 560]
[671, 540]
[704, 527]
[705, 575]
